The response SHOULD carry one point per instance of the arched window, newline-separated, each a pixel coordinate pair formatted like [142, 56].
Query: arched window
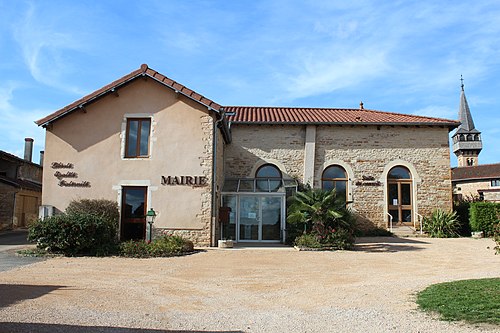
[399, 182]
[268, 178]
[335, 177]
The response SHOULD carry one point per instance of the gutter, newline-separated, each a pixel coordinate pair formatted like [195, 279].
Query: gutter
[214, 175]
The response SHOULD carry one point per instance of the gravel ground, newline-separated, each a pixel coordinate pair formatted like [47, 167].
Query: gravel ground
[246, 290]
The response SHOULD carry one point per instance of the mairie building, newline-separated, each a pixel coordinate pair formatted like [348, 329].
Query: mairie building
[214, 172]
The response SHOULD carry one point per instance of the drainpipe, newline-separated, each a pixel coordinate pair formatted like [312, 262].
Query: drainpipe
[214, 176]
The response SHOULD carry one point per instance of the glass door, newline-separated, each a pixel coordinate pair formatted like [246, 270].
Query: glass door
[400, 205]
[133, 220]
[271, 218]
[249, 225]
[260, 218]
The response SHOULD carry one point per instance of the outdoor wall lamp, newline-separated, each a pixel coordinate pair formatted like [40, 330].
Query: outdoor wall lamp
[150, 219]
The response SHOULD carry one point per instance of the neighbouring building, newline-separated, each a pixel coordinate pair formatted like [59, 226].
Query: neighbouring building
[213, 171]
[480, 182]
[20, 188]
[470, 179]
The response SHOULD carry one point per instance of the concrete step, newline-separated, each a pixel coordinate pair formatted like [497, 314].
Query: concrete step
[405, 231]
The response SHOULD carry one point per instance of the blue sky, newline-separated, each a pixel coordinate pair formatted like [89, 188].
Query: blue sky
[397, 56]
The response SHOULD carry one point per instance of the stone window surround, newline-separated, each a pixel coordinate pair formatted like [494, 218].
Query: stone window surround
[119, 189]
[350, 175]
[123, 135]
[415, 178]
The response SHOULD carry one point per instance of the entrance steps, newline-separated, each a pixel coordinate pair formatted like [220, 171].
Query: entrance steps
[406, 231]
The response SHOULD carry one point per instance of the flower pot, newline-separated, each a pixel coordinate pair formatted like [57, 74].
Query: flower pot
[225, 243]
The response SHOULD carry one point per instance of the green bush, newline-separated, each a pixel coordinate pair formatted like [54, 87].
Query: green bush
[164, 246]
[441, 224]
[88, 227]
[307, 240]
[134, 249]
[462, 210]
[74, 234]
[484, 216]
[323, 216]
[101, 207]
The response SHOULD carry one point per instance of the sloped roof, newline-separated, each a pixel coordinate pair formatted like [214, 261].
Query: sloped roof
[465, 117]
[290, 115]
[143, 71]
[15, 159]
[260, 115]
[484, 171]
[21, 183]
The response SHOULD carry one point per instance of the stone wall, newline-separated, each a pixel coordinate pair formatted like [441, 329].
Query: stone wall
[366, 152]
[257, 144]
[7, 195]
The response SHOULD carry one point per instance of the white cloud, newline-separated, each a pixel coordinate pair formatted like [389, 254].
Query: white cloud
[46, 49]
[437, 112]
[18, 124]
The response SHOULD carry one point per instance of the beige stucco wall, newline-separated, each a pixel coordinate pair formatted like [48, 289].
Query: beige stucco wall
[363, 151]
[180, 145]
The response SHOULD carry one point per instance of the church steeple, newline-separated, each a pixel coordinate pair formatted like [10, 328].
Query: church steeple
[467, 142]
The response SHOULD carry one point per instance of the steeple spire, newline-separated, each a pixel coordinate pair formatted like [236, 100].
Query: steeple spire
[467, 142]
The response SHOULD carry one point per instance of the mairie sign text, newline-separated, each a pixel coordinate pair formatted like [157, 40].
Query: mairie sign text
[184, 180]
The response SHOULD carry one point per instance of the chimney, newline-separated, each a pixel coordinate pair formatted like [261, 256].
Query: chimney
[41, 157]
[28, 149]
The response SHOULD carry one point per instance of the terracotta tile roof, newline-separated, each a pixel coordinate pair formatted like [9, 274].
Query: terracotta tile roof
[143, 71]
[289, 115]
[485, 171]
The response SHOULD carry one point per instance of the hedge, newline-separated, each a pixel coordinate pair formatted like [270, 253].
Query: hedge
[484, 216]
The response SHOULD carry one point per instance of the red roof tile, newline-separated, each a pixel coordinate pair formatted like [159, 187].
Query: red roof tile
[143, 71]
[288, 115]
[485, 171]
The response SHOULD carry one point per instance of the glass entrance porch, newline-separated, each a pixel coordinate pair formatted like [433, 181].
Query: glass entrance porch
[257, 210]
[254, 218]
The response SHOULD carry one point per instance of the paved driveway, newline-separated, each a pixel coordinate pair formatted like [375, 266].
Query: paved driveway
[245, 290]
[10, 243]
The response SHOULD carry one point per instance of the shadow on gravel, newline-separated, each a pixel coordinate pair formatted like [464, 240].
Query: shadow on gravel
[55, 328]
[387, 244]
[13, 293]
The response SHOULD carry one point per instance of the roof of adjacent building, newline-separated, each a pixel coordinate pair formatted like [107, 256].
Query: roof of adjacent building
[21, 183]
[484, 171]
[260, 115]
[290, 115]
[13, 158]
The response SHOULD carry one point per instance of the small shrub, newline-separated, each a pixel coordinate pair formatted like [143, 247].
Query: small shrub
[307, 240]
[340, 239]
[106, 209]
[134, 249]
[74, 234]
[441, 224]
[484, 216]
[88, 227]
[164, 246]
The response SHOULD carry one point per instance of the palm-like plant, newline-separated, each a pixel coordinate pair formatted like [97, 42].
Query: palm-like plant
[317, 209]
[442, 224]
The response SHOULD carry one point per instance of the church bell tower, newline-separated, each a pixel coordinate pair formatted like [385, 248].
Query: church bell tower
[467, 142]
